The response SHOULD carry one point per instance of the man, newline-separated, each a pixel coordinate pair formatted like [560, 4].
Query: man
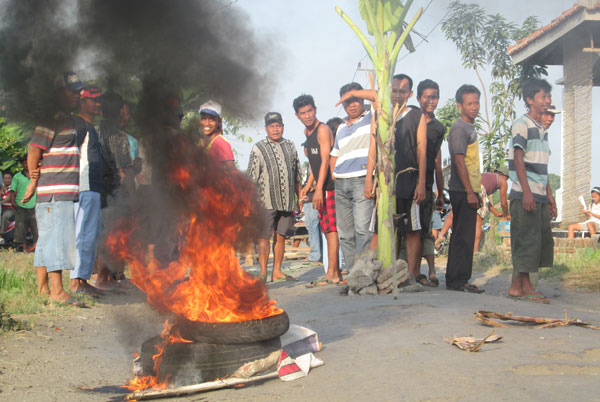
[532, 205]
[275, 168]
[57, 188]
[428, 95]
[87, 209]
[490, 183]
[211, 124]
[25, 212]
[119, 169]
[549, 116]
[413, 203]
[464, 185]
[7, 209]
[319, 141]
[352, 164]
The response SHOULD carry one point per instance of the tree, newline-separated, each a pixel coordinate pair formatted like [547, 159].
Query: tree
[482, 41]
[385, 23]
[448, 114]
[13, 145]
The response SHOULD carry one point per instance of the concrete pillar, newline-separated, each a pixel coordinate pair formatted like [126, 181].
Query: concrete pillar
[577, 126]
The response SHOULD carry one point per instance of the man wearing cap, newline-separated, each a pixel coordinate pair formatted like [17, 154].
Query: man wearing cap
[549, 116]
[54, 144]
[91, 172]
[275, 168]
[211, 125]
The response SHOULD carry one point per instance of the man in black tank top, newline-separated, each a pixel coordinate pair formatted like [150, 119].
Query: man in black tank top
[319, 141]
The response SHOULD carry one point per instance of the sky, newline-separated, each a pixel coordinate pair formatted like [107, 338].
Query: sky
[318, 53]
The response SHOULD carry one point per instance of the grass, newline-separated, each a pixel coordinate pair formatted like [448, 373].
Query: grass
[18, 285]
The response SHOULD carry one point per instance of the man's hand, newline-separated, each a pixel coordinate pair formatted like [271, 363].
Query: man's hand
[528, 201]
[552, 207]
[29, 192]
[473, 200]
[419, 196]
[369, 188]
[318, 199]
[439, 203]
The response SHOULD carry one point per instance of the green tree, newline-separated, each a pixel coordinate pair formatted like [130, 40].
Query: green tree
[448, 114]
[13, 145]
[482, 40]
[385, 23]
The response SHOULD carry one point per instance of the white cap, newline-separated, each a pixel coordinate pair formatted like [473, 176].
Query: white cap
[211, 107]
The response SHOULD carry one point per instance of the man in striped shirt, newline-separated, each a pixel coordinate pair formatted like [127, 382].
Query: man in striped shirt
[352, 163]
[532, 205]
[57, 187]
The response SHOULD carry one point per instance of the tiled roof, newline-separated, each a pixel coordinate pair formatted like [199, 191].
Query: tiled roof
[523, 43]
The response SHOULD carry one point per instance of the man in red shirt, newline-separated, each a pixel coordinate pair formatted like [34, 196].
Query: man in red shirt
[8, 209]
[211, 125]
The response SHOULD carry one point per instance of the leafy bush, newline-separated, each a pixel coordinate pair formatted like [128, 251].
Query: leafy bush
[13, 145]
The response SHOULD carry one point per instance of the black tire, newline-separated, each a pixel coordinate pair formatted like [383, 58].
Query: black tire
[194, 363]
[234, 333]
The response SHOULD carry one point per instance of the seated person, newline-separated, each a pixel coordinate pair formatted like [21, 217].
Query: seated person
[593, 213]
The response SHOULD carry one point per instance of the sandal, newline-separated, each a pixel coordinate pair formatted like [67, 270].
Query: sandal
[421, 280]
[319, 283]
[283, 279]
[532, 298]
[470, 288]
[433, 282]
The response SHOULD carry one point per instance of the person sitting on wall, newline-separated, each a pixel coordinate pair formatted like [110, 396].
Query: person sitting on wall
[592, 212]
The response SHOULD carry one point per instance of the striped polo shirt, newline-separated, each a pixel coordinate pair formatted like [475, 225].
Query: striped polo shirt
[59, 173]
[532, 138]
[351, 147]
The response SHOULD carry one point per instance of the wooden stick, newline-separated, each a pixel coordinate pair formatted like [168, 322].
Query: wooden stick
[196, 388]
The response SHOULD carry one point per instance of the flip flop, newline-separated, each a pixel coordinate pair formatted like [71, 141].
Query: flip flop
[343, 282]
[319, 283]
[532, 298]
[287, 278]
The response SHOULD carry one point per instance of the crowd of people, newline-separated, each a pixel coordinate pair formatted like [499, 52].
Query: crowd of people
[74, 167]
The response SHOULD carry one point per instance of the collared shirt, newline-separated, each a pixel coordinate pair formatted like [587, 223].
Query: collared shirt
[351, 147]
[275, 168]
[532, 138]
[59, 173]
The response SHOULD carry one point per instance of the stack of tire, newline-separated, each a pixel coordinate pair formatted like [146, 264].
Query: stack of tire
[217, 349]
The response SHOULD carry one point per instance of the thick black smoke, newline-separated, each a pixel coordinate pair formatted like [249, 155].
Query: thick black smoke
[199, 45]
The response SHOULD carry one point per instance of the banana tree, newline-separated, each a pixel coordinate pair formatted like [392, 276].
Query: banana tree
[385, 21]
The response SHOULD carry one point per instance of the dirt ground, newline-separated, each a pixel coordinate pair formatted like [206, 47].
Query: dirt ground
[375, 348]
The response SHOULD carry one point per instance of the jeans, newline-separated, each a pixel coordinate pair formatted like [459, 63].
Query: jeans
[311, 220]
[353, 214]
[55, 248]
[87, 231]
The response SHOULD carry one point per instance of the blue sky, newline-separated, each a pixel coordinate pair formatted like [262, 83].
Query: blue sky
[318, 53]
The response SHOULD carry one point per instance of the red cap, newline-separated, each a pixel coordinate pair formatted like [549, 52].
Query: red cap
[90, 92]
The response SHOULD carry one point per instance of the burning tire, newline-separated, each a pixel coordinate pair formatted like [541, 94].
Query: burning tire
[234, 333]
[192, 363]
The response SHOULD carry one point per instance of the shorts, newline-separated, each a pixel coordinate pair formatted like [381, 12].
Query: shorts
[281, 221]
[436, 221]
[418, 216]
[55, 248]
[327, 218]
[531, 240]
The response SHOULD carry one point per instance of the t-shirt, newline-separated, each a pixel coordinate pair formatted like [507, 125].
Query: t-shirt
[351, 147]
[463, 140]
[5, 195]
[491, 182]
[532, 138]
[19, 186]
[91, 169]
[115, 147]
[435, 138]
[595, 209]
[59, 173]
[275, 168]
[405, 131]
[220, 149]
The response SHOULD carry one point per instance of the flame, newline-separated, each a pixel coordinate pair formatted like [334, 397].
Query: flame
[146, 382]
[206, 282]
